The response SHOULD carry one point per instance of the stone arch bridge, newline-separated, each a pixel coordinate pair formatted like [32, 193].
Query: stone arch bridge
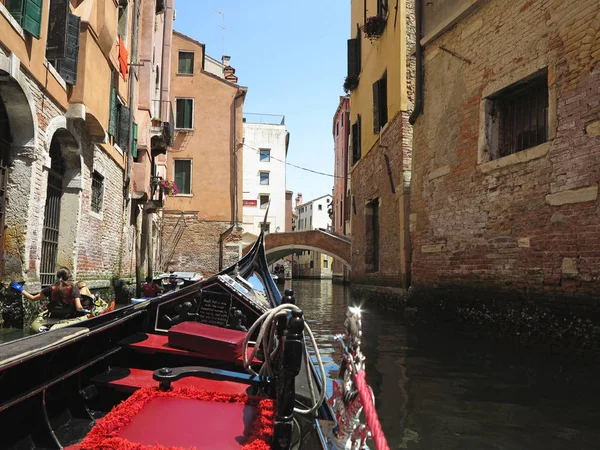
[279, 245]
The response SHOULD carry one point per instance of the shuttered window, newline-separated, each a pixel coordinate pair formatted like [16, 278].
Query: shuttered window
[67, 67]
[380, 117]
[356, 152]
[186, 63]
[58, 18]
[134, 140]
[113, 105]
[354, 57]
[185, 113]
[122, 137]
[183, 175]
[28, 13]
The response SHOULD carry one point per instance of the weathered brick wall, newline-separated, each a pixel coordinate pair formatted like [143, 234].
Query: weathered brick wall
[529, 229]
[100, 234]
[373, 178]
[198, 250]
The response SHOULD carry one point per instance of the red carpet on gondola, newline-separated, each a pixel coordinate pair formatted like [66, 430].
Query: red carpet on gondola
[184, 418]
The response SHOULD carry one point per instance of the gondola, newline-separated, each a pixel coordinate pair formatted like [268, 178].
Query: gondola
[219, 364]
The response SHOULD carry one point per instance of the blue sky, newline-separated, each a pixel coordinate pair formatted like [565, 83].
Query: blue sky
[292, 57]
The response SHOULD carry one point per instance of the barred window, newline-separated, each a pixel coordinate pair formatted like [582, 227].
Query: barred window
[97, 192]
[518, 117]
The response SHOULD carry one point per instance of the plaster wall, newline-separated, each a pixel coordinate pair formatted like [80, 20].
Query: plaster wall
[273, 137]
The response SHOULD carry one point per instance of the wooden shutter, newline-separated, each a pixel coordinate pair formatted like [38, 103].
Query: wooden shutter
[353, 57]
[376, 92]
[112, 119]
[58, 17]
[32, 17]
[15, 7]
[188, 113]
[123, 125]
[67, 67]
[383, 117]
[134, 140]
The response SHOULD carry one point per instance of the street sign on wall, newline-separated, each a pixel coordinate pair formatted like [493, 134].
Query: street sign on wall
[250, 202]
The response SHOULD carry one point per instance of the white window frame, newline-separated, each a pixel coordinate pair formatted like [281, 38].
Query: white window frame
[259, 200]
[191, 176]
[193, 62]
[260, 155]
[126, 12]
[193, 113]
[268, 178]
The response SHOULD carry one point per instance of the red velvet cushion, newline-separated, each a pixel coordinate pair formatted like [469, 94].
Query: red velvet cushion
[186, 423]
[210, 341]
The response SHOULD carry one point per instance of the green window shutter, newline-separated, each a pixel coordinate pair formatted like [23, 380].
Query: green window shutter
[188, 114]
[15, 7]
[184, 113]
[134, 140]
[376, 92]
[67, 67]
[58, 18]
[186, 63]
[183, 175]
[123, 139]
[112, 119]
[32, 17]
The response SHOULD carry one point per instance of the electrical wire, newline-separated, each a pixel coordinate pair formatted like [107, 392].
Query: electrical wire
[294, 165]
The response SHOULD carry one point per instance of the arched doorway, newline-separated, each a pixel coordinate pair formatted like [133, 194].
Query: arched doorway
[51, 229]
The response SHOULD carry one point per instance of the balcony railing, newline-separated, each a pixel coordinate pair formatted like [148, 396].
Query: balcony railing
[163, 110]
[270, 119]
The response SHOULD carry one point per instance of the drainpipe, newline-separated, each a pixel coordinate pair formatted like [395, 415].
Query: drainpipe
[419, 66]
[132, 83]
[162, 56]
[234, 212]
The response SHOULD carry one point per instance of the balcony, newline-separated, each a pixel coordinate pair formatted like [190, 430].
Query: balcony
[162, 129]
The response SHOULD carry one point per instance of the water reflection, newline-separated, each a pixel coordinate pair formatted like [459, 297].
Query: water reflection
[441, 392]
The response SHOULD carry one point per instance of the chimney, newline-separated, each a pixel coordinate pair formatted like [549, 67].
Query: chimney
[228, 71]
[298, 199]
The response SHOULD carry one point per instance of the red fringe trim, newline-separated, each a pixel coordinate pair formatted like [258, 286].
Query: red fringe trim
[105, 434]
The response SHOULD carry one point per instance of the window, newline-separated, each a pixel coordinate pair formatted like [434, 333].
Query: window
[320, 207]
[264, 201]
[265, 155]
[382, 7]
[183, 175]
[97, 191]
[380, 116]
[123, 19]
[28, 14]
[517, 117]
[186, 63]
[312, 264]
[356, 153]
[354, 57]
[185, 113]
[264, 178]
[372, 236]
[325, 264]
[266, 227]
[337, 128]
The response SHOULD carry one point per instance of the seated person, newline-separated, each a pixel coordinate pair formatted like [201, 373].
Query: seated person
[65, 300]
[150, 289]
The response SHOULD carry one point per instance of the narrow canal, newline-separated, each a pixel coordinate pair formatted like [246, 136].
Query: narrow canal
[437, 391]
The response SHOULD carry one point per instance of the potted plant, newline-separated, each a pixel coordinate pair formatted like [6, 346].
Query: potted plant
[373, 27]
[350, 83]
[156, 121]
[168, 187]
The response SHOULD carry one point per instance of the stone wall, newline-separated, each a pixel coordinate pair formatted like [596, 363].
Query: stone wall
[199, 248]
[525, 226]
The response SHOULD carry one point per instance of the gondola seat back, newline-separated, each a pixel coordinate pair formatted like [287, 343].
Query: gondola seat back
[208, 340]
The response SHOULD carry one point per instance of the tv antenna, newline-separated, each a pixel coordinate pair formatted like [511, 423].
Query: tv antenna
[222, 27]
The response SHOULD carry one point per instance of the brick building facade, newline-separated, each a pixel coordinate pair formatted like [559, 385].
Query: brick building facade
[507, 153]
[379, 71]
